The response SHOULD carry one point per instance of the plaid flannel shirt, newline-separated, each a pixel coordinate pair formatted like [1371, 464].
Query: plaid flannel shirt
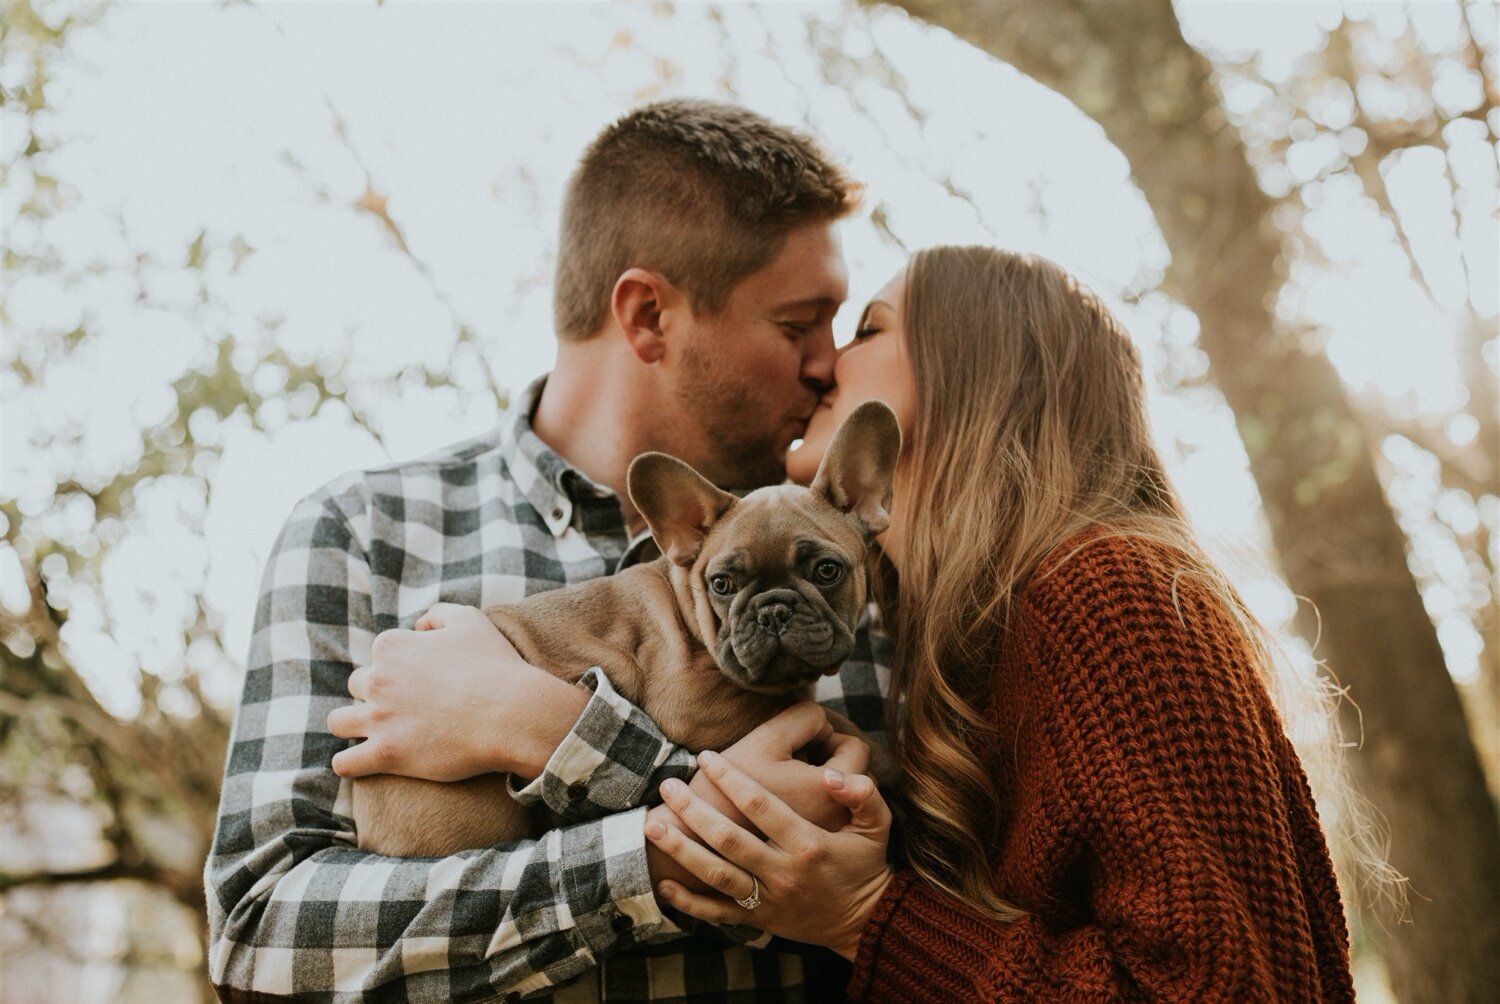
[297, 911]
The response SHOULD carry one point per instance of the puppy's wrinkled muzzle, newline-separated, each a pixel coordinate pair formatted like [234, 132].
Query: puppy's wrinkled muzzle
[773, 612]
[780, 639]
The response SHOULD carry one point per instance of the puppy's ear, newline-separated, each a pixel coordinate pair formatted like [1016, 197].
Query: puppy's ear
[858, 470]
[679, 504]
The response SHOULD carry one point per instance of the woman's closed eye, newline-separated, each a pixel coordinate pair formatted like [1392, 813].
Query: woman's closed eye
[868, 324]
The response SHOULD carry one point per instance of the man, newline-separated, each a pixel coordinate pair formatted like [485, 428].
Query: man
[698, 276]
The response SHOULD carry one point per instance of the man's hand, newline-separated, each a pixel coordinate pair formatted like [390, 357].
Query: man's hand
[451, 700]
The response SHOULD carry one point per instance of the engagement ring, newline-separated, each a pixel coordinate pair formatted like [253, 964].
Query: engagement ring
[751, 901]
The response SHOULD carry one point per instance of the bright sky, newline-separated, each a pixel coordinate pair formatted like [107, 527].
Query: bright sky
[468, 118]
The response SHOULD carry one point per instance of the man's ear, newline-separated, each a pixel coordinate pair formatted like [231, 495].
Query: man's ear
[679, 504]
[637, 301]
[859, 468]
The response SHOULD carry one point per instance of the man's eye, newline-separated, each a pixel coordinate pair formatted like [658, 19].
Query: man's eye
[721, 584]
[827, 572]
[795, 329]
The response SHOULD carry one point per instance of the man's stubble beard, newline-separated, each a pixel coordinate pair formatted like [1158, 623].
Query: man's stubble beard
[733, 421]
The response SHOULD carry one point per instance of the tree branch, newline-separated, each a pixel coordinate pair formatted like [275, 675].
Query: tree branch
[104, 873]
[1367, 163]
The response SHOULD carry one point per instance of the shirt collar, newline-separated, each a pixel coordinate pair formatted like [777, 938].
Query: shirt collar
[553, 486]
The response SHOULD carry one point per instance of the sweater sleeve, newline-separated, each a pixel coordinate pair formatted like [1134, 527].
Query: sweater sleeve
[1154, 843]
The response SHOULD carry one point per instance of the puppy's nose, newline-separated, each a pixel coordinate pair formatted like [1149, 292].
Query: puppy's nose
[774, 617]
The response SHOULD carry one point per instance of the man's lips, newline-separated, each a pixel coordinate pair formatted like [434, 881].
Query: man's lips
[801, 423]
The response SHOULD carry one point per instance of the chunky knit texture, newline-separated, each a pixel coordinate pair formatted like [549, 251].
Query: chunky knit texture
[1157, 826]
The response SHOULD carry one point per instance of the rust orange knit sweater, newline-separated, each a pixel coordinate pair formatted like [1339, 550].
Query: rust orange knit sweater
[1157, 826]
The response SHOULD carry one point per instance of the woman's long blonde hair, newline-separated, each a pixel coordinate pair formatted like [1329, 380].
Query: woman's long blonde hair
[1030, 426]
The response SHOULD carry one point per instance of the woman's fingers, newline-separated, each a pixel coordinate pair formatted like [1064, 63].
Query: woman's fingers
[709, 908]
[734, 842]
[860, 795]
[730, 879]
[768, 813]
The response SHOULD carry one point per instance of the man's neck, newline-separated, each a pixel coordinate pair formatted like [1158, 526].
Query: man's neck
[593, 413]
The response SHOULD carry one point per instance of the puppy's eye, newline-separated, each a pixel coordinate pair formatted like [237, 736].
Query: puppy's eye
[721, 584]
[827, 572]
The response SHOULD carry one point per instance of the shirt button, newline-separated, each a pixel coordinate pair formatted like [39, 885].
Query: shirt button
[577, 790]
[557, 514]
[622, 923]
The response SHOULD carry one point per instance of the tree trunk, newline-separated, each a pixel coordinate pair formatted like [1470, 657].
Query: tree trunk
[1127, 66]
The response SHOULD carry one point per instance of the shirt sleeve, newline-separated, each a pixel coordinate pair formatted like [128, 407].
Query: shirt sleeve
[296, 909]
[613, 758]
[616, 758]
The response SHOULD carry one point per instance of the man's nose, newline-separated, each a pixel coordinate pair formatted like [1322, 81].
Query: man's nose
[817, 364]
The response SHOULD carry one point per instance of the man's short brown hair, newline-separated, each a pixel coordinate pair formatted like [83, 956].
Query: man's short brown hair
[701, 192]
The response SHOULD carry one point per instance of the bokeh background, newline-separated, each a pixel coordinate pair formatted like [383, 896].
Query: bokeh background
[250, 246]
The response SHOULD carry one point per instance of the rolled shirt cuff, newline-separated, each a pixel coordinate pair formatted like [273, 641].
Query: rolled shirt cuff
[614, 758]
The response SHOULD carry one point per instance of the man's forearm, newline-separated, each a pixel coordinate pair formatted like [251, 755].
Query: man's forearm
[556, 706]
[604, 758]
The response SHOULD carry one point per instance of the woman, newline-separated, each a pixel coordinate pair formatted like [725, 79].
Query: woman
[1100, 799]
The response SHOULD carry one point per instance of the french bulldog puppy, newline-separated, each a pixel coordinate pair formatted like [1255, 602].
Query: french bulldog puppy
[752, 600]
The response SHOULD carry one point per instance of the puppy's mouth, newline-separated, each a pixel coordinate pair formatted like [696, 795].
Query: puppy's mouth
[778, 676]
[782, 642]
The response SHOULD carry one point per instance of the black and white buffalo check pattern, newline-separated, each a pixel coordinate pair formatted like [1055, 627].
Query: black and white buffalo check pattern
[296, 911]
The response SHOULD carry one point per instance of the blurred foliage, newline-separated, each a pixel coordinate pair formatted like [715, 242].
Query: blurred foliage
[133, 794]
[137, 783]
[1382, 97]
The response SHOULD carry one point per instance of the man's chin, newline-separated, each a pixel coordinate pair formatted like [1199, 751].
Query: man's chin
[758, 471]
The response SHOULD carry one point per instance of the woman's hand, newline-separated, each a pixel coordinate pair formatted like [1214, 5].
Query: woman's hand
[814, 886]
[769, 755]
[434, 703]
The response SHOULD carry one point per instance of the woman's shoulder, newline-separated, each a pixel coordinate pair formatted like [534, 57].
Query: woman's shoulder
[1110, 555]
[1139, 618]
[1117, 579]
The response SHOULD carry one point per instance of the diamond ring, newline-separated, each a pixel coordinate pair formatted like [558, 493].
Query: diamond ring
[751, 901]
